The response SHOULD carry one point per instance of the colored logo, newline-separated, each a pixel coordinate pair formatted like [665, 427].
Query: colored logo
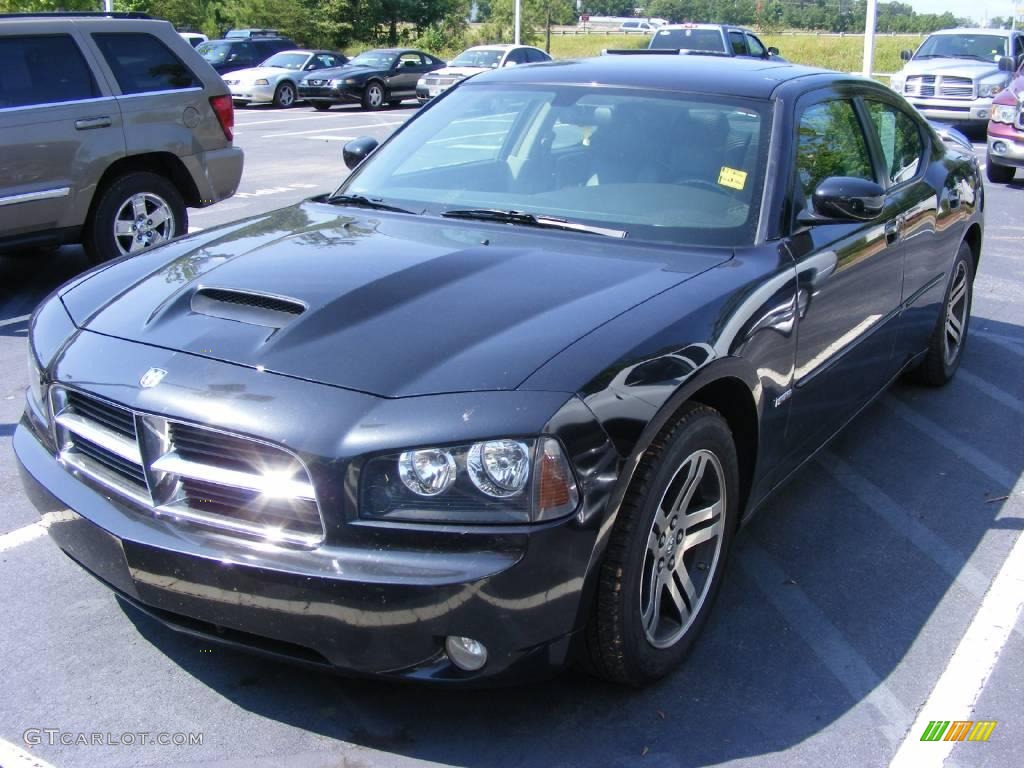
[152, 377]
[958, 730]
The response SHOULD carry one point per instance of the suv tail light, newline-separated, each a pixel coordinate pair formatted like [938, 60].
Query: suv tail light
[225, 111]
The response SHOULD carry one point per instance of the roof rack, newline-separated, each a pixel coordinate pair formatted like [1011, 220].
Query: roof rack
[77, 14]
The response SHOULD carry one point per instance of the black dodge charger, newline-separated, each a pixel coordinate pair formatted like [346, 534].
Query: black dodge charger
[372, 79]
[503, 399]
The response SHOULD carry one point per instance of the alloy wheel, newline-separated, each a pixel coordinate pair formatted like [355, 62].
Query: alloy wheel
[144, 220]
[957, 308]
[683, 548]
[375, 95]
[287, 96]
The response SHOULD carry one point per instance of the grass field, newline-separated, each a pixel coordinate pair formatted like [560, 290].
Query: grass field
[841, 53]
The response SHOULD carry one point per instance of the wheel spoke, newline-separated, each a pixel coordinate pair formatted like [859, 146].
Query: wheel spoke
[693, 478]
[677, 599]
[959, 291]
[137, 245]
[650, 616]
[689, 588]
[953, 330]
[124, 228]
[159, 216]
[139, 205]
[703, 515]
[691, 540]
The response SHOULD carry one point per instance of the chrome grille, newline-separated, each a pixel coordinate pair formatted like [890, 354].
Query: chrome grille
[956, 87]
[920, 85]
[188, 472]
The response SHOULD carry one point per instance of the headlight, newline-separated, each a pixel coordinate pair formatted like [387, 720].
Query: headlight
[349, 81]
[507, 480]
[897, 84]
[261, 81]
[1002, 113]
[988, 90]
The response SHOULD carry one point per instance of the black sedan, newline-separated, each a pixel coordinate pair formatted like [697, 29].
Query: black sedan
[373, 79]
[503, 399]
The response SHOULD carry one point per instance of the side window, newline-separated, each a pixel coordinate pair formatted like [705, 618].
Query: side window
[1018, 48]
[518, 56]
[410, 60]
[756, 48]
[900, 137]
[739, 45]
[830, 143]
[535, 55]
[325, 61]
[43, 70]
[143, 64]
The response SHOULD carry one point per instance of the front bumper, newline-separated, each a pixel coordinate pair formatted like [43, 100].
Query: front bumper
[252, 94]
[954, 110]
[342, 94]
[1005, 145]
[373, 599]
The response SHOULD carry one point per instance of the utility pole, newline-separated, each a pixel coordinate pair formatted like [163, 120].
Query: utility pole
[518, 19]
[869, 37]
[108, 6]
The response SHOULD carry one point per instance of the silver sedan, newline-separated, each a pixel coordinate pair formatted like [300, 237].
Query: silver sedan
[274, 81]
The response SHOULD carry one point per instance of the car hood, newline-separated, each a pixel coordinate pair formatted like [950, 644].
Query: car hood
[956, 67]
[257, 72]
[389, 304]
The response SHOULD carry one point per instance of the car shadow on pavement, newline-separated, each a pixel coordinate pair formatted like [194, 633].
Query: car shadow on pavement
[843, 601]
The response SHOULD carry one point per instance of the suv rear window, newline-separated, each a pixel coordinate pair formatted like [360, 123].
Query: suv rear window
[143, 64]
[43, 70]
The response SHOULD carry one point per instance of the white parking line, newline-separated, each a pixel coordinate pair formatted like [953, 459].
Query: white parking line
[20, 536]
[998, 394]
[324, 130]
[12, 756]
[956, 692]
[330, 138]
[247, 123]
[14, 320]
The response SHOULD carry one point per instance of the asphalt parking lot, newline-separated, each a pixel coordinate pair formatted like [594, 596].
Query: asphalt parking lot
[858, 605]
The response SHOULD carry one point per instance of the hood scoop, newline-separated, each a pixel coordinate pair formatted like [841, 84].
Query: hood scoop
[246, 306]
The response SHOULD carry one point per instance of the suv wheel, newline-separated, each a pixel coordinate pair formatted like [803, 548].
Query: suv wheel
[284, 96]
[135, 212]
[373, 95]
[998, 174]
[667, 551]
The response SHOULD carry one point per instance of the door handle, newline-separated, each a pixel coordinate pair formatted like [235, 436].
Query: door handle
[88, 123]
[892, 230]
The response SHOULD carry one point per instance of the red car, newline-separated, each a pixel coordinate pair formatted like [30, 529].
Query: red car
[1006, 132]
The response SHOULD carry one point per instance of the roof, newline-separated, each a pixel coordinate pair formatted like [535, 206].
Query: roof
[702, 25]
[750, 78]
[975, 31]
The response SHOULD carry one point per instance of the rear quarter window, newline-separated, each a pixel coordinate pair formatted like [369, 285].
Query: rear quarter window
[43, 69]
[143, 64]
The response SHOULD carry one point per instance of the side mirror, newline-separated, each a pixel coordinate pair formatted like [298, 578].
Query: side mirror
[844, 199]
[1006, 64]
[355, 151]
[906, 55]
[773, 51]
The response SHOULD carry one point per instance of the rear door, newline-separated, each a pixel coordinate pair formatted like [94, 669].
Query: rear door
[161, 100]
[60, 127]
[849, 276]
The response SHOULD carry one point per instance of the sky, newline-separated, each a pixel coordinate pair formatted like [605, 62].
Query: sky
[969, 8]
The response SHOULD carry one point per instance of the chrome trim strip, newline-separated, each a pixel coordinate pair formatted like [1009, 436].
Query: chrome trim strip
[277, 487]
[28, 197]
[100, 474]
[184, 512]
[103, 437]
[164, 92]
[95, 100]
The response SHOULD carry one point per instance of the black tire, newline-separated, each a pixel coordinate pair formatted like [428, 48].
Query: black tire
[374, 95]
[99, 240]
[395, 102]
[285, 95]
[322, 106]
[618, 646]
[940, 362]
[999, 174]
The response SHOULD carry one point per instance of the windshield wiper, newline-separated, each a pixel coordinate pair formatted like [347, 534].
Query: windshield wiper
[531, 220]
[362, 201]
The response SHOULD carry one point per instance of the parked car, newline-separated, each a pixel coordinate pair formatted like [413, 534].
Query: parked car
[720, 39]
[373, 79]
[503, 399]
[195, 39]
[638, 25]
[1006, 132]
[109, 128]
[242, 53]
[955, 73]
[275, 81]
[248, 34]
[473, 61]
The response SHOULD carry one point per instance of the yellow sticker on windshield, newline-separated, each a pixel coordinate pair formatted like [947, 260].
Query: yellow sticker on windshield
[730, 177]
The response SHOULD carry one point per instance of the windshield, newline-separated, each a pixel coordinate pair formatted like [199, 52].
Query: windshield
[287, 60]
[374, 59]
[214, 53]
[477, 59]
[689, 40]
[981, 47]
[659, 166]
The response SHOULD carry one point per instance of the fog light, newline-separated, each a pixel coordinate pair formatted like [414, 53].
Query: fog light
[999, 147]
[466, 653]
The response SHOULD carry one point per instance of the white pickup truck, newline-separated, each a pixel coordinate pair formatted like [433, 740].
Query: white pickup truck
[954, 75]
